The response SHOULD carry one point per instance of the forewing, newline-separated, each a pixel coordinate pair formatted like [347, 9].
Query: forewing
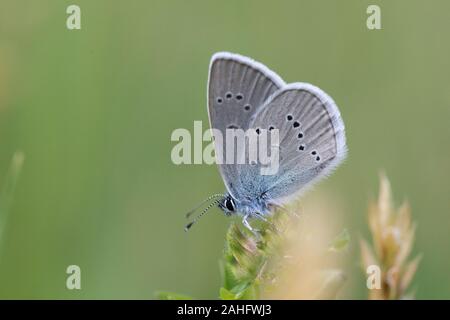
[237, 87]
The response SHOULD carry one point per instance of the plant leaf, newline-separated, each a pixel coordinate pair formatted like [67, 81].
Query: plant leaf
[225, 294]
[228, 279]
[250, 293]
[167, 295]
[243, 291]
[340, 242]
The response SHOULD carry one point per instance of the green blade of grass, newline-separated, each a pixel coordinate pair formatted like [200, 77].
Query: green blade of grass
[7, 192]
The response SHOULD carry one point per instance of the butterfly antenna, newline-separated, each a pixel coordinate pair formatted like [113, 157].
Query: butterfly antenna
[203, 202]
[189, 225]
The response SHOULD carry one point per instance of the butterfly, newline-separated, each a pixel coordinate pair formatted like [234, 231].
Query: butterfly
[245, 94]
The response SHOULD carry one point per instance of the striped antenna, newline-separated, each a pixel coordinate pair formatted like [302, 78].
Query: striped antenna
[189, 225]
[203, 202]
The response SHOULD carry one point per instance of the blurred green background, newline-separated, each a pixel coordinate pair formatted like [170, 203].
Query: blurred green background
[93, 111]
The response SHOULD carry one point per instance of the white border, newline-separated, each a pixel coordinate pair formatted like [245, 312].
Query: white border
[248, 61]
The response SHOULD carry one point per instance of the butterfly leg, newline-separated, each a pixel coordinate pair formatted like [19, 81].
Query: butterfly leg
[248, 226]
[246, 223]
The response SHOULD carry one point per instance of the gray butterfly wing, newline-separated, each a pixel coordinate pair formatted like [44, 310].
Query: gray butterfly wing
[312, 141]
[237, 87]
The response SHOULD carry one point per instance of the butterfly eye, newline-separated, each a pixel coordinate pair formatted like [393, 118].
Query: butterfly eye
[300, 135]
[314, 152]
[296, 124]
[247, 107]
[289, 117]
[229, 95]
[219, 100]
[229, 204]
[317, 158]
[301, 148]
[239, 96]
